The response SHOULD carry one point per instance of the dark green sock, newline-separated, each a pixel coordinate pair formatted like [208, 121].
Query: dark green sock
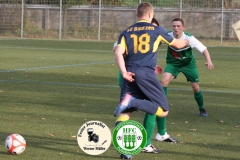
[120, 79]
[199, 99]
[161, 125]
[149, 124]
[165, 90]
[162, 121]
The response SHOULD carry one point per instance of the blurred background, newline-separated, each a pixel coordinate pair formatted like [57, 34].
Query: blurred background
[211, 21]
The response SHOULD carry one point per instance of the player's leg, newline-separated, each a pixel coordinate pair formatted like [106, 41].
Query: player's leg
[169, 73]
[153, 90]
[149, 125]
[149, 86]
[191, 73]
[133, 96]
[120, 79]
[139, 104]
[198, 96]
[123, 117]
[166, 79]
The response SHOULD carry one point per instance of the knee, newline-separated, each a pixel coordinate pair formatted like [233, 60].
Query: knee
[195, 88]
[166, 79]
[164, 114]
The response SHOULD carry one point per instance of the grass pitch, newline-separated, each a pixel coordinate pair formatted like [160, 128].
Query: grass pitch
[49, 89]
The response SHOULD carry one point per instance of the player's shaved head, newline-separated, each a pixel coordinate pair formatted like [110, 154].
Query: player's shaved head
[143, 9]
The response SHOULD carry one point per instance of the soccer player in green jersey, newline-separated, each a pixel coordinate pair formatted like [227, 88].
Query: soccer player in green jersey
[182, 60]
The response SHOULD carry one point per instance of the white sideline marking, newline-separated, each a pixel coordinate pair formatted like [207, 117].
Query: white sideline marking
[48, 67]
[57, 83]
[57, 49]
[214, 91]
[103, 85]
[27, 48]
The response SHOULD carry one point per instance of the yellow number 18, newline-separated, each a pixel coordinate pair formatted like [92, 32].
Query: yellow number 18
[141, 43]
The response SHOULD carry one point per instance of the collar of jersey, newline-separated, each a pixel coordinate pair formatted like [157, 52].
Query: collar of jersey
[181, 49]
[142, 21]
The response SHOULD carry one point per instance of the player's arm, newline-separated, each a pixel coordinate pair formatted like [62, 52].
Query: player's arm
[209, 63]
[120, 78]
[118, 53]
[119, 50]
[179, 43]
[169, 40]
[195, 43]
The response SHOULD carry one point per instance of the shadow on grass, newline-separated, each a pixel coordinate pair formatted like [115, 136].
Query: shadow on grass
[4, 153]
[200, 156]
[224, 147]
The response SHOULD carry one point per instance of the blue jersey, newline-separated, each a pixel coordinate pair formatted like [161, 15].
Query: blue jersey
[141, 42]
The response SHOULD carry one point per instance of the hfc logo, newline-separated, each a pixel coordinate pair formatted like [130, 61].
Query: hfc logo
[129, 137]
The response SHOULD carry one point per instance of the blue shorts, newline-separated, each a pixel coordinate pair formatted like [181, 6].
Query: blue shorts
[145, 86]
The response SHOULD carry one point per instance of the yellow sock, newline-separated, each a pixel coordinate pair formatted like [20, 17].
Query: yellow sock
[159, 111]
[122, 118]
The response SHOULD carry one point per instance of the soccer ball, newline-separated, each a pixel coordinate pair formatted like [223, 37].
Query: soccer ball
[15, 144]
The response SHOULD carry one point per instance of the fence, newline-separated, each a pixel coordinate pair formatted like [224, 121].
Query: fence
[105, 19]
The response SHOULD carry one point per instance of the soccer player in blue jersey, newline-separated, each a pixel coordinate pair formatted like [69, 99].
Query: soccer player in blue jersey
[182, 60]
[141, 89]
[149, 120]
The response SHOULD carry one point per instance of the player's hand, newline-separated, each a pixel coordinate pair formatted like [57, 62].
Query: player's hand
[158, 69]
[209, 65]
[128, 76]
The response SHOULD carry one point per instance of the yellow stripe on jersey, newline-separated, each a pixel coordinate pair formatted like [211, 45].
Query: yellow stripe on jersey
[123, 44]
[171, 42]
[167, 42]
[126, 50]
[159, 40]
[156, 43]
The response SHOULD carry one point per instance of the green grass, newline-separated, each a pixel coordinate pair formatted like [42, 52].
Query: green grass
[53, 87]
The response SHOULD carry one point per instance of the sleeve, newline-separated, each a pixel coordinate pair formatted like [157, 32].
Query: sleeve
[121, 41]
[194, 43]
[115, 44]
[165, 37]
